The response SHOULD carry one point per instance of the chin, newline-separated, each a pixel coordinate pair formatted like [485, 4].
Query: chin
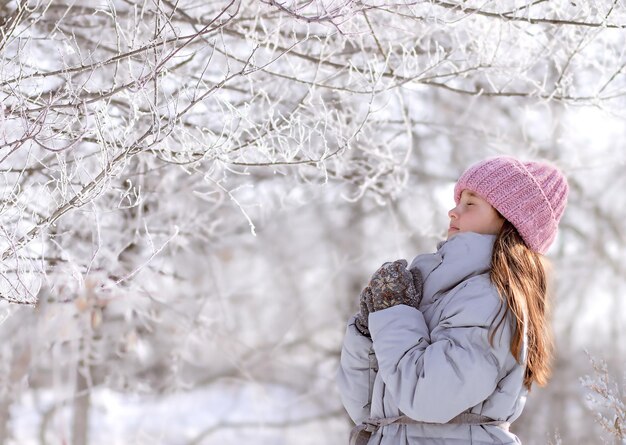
[454, 232]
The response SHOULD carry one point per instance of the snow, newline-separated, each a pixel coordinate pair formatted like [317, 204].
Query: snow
[228, 413]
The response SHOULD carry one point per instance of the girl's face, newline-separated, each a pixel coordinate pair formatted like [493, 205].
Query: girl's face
[474, 214]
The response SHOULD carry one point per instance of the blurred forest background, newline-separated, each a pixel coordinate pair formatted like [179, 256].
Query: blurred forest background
[194, 193]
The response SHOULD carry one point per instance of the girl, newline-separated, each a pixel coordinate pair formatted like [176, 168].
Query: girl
[445, 352]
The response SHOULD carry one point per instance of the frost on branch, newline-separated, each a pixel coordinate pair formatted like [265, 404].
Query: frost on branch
[167, 168]
[606, 399]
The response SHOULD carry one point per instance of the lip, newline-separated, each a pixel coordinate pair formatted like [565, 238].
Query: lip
[451, 228]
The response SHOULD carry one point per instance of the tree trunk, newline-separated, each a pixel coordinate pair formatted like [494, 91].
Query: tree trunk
[81, 410]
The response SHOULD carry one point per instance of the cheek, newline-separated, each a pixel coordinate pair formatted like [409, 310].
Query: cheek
[499, 223]
[468, 215]
[476, 219]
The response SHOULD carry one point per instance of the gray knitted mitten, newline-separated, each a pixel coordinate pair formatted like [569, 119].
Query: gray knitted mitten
[418, 282]
[365, 300]
[394, 284]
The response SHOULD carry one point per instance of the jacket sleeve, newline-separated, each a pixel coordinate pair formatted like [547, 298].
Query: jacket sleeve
[434, 377]
[353, 375]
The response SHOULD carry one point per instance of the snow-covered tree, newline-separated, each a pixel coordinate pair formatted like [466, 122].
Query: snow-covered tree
[194, 194]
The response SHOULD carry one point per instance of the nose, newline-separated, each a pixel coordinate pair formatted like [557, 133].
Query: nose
[452, 213]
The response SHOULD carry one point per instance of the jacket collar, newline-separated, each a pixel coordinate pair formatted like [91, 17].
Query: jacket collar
[457, 259]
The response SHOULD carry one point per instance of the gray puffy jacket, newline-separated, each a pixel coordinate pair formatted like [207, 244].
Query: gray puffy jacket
[436, 362]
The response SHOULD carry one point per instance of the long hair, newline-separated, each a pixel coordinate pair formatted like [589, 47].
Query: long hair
[520, 275]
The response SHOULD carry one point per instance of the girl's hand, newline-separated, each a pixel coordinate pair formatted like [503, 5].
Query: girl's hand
[418, 282]
[365, 300]
[394, 284]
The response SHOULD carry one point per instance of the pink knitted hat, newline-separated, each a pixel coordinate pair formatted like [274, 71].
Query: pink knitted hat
[531, 195]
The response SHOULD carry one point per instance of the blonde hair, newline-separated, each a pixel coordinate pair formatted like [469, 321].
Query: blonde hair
[520, 275]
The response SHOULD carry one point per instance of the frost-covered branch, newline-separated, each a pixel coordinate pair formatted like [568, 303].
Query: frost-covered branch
[606, 398]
